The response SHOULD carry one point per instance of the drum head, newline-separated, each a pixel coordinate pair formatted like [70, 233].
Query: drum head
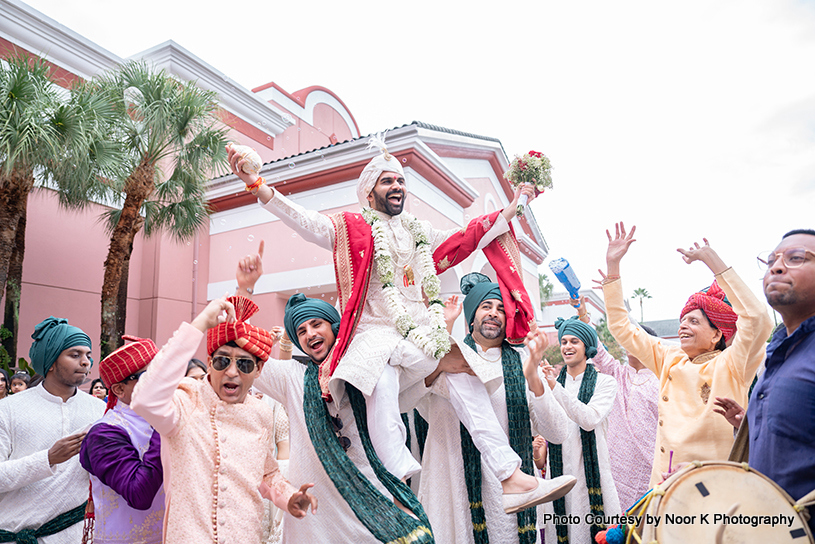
[696, 502]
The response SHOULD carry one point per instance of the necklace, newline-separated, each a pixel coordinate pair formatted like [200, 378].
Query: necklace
[643, 382]
[500, 353]
[437, 342]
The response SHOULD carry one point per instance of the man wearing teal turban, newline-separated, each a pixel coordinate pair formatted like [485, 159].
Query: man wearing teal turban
[482, 453]
[299, 310]
[41, 429]
[577, 403]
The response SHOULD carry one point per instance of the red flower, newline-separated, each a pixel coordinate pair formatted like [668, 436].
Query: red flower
[535, 154]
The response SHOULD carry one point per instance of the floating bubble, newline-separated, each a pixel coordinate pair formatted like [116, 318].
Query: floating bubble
[292, 259]
[251, 237]
[292, 165]
[322, 156]
[195, 262]
[223, 221]
[332, 298]
[298, 129]
[466, 217]
[294, 235]
[404, 160]
[315, 259]
[323, 295]
[230, 248]
[287, 137]
[188, 243]
[268, 138]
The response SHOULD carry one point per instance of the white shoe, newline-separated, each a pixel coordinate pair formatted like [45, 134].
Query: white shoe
[547, 490]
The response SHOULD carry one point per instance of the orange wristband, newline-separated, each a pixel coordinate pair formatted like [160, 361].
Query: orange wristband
[256, 185]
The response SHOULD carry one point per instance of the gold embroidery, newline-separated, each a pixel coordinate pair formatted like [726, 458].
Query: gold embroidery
[486, 224]
[705, 392]
[362, 254]
[444, 263]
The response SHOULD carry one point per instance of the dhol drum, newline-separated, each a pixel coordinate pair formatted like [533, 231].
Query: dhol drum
[719, 502]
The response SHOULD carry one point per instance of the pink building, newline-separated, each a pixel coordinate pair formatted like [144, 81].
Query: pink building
[314, 152]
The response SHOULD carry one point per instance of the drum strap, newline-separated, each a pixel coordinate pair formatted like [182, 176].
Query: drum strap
[590, 464]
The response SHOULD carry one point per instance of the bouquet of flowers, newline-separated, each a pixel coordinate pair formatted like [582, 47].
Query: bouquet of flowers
[533, 167]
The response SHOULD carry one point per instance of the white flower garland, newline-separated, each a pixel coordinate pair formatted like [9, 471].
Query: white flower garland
[437, 343]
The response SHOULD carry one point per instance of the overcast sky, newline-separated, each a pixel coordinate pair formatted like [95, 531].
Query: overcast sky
[688, 119]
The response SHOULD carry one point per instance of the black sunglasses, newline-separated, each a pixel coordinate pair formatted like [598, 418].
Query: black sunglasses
[345, 442]
[133, 377]
[221, 362]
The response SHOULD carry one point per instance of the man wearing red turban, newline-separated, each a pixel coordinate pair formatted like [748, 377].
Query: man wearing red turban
[122, 453]
[218, 439]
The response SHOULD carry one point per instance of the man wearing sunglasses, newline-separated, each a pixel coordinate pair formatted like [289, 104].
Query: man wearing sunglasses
[781, 412]
[122, 453]
[217, 439]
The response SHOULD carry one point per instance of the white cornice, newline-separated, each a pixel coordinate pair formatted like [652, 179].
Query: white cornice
[306, 113]
[29, 29]
[338, 155]
[232, 97]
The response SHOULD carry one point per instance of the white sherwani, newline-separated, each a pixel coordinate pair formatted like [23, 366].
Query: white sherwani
[334, 521]
[31, 491]
[443, 491]
[561, 418]
[376, 336]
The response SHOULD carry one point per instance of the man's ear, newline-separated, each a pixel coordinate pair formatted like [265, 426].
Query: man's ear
[117, 389]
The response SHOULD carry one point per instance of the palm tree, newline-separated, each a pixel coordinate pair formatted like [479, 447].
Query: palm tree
[174, 143]
[49, 137]
[545, 288]
[641, 294]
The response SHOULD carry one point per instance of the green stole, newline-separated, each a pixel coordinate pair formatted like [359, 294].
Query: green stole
[520, 439]
[59, 523]
[386, 522]
[591, 467]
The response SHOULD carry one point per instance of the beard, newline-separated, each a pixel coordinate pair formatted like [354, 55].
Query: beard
[491, 333]
[384, 205]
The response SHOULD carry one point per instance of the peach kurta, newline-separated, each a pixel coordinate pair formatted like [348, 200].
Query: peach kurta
[215, 455]
[688, 426]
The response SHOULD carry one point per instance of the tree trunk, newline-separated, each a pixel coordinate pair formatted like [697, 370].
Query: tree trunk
[137, 188]
[121, 317]
[14, 191]
[14, 283]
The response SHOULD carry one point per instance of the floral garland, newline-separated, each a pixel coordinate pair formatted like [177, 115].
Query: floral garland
[437, 343]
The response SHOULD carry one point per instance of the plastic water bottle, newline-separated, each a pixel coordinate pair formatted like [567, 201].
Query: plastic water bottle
[565, 275]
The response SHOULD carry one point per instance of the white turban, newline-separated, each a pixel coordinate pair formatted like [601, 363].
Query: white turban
[384, 162]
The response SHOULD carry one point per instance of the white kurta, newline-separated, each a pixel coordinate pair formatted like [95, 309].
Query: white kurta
[31, 491]
[561, 418]
[334, 521]
[376, 336]
[443, 490]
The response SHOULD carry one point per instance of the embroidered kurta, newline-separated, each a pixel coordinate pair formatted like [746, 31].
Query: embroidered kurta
[561, 416]
[272, 515]
[215, 455]
[122, 453]
[443, 490]
[632, 425]
[335, 521]
[31, 491]
[376, 336]
[688, 426]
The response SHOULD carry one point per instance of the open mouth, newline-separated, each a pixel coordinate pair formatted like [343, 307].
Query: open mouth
[396, 198]
[231, 387]
[316, 345]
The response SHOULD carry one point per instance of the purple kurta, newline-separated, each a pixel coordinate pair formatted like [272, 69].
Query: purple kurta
[123, 455]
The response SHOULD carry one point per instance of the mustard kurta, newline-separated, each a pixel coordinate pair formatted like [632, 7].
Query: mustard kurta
[688, 426]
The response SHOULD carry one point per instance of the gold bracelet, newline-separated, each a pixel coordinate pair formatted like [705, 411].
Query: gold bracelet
[287, 350]
[537, 458]
[286, 345]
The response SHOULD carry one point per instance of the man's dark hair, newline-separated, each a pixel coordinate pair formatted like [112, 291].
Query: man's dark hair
[799, 231]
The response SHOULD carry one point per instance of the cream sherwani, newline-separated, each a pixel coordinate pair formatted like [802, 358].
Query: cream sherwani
[335, 521]
[688, 426]
[442, 490]
[376, 337]
[31, 491]
[217, 457]
[561, 417]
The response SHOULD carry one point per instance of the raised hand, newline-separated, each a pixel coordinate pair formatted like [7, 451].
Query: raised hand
[249, 271]
[618, 247]
[236, 163]
[452, 309]
[550, 374]
[212, 315]
[300, 501]
[704, 253]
